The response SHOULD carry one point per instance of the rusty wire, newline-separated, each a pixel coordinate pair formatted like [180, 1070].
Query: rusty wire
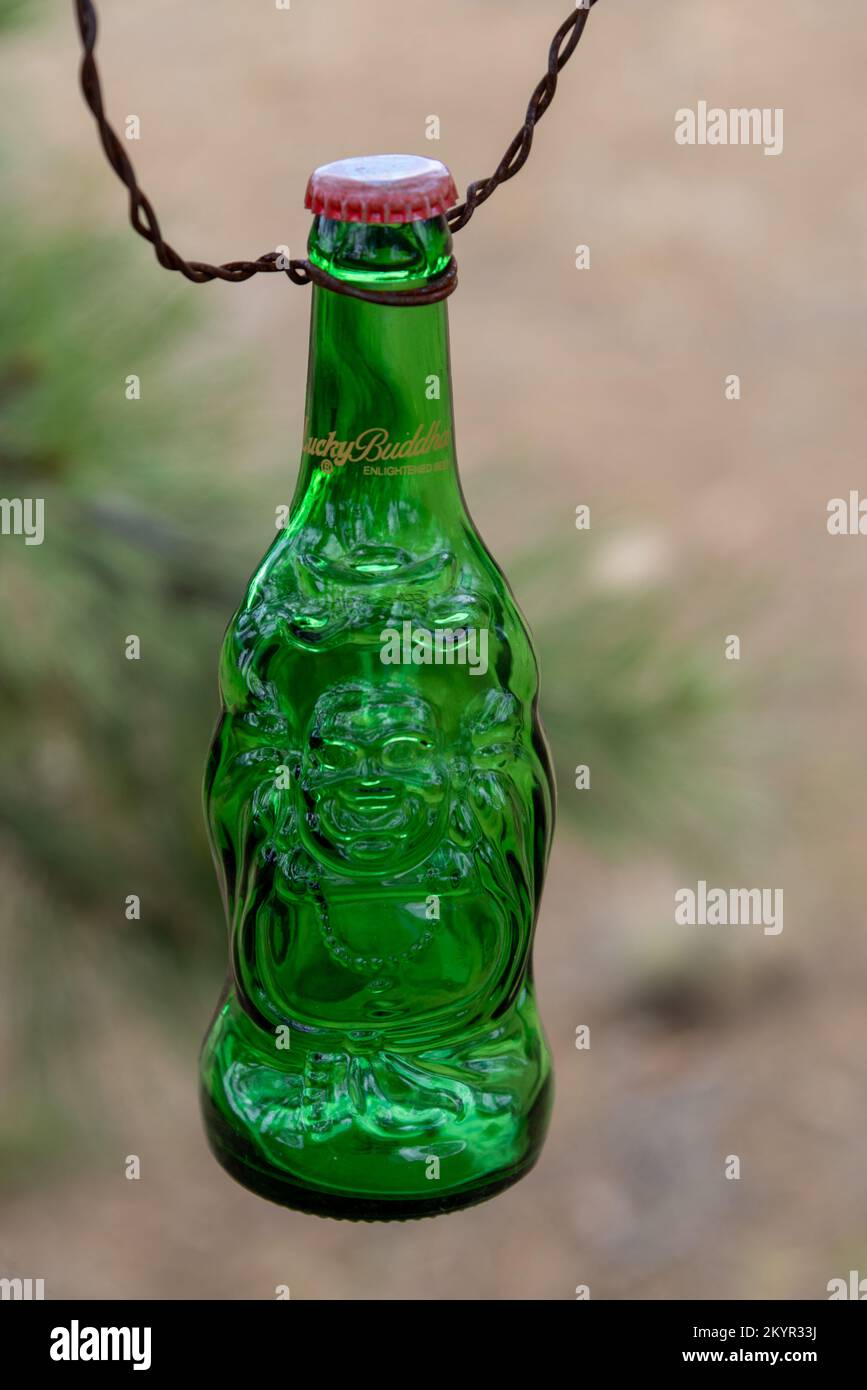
[302, 272]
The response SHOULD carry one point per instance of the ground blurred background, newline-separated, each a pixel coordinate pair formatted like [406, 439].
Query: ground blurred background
[603, 387]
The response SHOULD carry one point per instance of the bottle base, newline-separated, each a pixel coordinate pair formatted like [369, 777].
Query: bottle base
[241, 1162]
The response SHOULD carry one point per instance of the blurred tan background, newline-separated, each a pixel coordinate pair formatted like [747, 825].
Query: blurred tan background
[603, 386]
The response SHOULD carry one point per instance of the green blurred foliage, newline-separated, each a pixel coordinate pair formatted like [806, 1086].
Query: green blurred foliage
[14, 12]
[102, 755]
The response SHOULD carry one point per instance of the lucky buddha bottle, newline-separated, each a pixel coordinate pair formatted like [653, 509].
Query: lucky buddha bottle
[379, 793]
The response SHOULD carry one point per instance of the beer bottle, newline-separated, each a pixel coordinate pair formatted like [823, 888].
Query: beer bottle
[379, 793]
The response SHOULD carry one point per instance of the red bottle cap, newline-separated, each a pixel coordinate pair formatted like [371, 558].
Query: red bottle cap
[381, 188]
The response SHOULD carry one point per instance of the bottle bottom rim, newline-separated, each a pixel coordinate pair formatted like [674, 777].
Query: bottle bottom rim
[241, 1162]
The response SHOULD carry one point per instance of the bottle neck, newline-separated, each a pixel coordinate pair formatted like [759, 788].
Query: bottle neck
[378, 460]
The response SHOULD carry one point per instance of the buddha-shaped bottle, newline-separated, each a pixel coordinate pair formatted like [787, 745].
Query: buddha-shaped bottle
[379, 793]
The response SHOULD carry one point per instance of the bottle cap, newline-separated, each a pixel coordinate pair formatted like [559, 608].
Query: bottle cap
[381, 188]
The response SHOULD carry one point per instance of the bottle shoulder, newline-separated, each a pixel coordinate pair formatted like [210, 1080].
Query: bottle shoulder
[312, 584]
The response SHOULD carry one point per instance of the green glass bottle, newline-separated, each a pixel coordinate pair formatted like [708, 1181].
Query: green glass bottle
[379, 793]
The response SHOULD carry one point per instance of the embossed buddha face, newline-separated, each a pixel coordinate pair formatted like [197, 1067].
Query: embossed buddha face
[373, 780]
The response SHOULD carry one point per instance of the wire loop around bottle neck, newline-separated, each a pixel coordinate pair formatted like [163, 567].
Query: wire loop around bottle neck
[438, 287]
[301, 272]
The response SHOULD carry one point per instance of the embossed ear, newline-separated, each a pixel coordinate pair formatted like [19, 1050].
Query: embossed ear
[492, 733]
[464, 828]
[275, 796]
[493, 710]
